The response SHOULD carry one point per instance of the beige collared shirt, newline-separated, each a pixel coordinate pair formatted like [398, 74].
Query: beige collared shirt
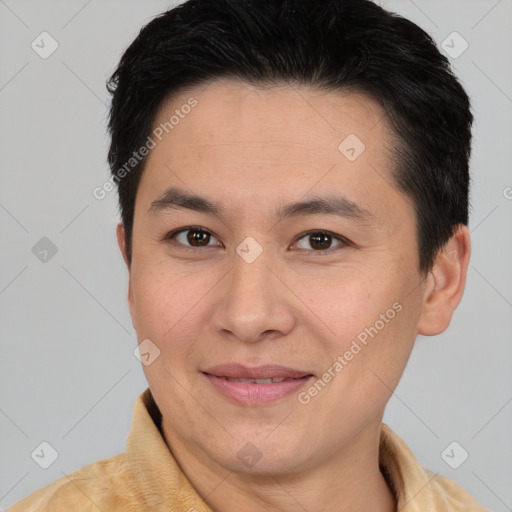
[146, 477]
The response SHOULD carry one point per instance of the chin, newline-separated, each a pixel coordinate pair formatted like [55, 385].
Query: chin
[261, 457]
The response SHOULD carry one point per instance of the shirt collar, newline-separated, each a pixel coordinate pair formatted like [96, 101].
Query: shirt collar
[161, 480]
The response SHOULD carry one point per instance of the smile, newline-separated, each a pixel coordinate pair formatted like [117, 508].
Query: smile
[257, 392]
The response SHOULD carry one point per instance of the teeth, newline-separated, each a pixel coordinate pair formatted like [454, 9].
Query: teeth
[257, 381]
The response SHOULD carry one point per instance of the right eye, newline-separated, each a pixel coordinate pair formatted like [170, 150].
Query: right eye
[191, 237]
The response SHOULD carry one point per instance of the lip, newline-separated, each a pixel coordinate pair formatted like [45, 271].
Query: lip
[267, 371]
[251, 393]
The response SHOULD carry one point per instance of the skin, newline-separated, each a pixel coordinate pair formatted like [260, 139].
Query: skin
[252, 149]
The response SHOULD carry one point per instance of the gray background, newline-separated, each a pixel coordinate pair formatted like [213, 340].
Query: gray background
[68, 375]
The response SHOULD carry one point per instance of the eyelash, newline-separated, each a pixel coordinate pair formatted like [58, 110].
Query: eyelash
[344, 242]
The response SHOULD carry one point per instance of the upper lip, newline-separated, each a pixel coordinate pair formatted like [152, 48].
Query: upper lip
[267, 371]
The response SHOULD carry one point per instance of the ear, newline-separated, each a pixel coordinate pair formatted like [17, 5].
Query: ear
[445, 283]
[121, 241]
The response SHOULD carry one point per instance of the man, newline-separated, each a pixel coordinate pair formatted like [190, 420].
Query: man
[293, 183]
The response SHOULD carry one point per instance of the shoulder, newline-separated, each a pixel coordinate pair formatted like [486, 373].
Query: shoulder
[451, 496]
[107, 484]
[417, 488]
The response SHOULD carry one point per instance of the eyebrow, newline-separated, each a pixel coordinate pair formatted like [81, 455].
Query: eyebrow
[174, 198]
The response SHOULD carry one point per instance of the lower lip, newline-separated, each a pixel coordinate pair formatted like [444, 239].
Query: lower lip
[251, 393]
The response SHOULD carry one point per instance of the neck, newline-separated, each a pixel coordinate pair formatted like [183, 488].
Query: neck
[349, 480]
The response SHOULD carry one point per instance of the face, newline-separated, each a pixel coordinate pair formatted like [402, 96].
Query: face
[329, 288]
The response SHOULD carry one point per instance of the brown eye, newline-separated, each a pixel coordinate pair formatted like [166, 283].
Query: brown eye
[192, 237]
[197, 238]
[320, 241]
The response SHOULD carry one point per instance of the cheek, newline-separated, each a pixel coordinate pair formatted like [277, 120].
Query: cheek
[371, 322]
[164, 303]
[342, 304]
[385, 343]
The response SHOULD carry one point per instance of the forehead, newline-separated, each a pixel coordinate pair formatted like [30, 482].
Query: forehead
[244, 114]
[241, 143]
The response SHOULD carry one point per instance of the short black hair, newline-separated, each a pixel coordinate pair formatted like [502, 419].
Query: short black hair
[337, 45]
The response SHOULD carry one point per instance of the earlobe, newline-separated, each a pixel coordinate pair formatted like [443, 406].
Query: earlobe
[445, 283]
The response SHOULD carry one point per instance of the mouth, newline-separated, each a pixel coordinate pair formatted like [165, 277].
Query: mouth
[256, 385]
[261, 372]
[255, 381]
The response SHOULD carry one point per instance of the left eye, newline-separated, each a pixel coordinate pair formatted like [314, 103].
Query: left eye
[321, 240]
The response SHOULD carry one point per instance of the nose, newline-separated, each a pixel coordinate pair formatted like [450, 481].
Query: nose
[254, 302]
